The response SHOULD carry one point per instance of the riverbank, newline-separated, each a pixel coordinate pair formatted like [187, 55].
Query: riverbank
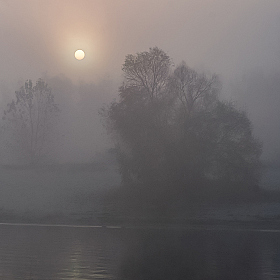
[89, 219]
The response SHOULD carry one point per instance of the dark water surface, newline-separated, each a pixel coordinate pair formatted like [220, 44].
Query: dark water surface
[53, 252]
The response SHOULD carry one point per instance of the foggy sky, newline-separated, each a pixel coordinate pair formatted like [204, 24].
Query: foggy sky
[230, 38]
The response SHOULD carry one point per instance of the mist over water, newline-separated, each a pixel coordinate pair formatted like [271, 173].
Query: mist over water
[183, 187]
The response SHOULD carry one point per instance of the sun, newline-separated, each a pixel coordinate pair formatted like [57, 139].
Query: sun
[79, 54]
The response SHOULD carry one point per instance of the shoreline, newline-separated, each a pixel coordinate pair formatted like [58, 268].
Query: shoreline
[187, 224]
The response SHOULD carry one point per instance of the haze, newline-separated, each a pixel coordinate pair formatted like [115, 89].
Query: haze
[233, 39]
[181, 197]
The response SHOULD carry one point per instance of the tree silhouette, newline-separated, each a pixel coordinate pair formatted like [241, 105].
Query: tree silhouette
[173, 134]
[30, 119]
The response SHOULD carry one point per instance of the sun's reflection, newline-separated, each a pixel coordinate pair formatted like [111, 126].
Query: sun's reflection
[88, 259]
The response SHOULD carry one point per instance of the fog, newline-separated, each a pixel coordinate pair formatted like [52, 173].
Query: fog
[156, 156]
[232, 39]
[237, 40]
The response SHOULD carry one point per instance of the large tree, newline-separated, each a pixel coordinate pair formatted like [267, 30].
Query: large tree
[173, 133]
[138, 118]
[30, 119]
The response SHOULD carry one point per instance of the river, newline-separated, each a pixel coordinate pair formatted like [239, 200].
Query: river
[68, 252]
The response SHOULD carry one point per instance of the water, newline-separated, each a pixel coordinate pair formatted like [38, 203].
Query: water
[52, 252]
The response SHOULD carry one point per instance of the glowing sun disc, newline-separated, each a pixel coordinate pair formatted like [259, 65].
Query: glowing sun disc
[79, 54]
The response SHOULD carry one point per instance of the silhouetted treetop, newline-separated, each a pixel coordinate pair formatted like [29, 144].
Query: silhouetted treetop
[147, 71]
[194, 89]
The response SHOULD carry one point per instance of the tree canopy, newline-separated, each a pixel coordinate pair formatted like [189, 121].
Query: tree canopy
[174, 134]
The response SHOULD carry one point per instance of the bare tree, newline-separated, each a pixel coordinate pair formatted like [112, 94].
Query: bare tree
[193, 89]
[30, 119]
[147, 71]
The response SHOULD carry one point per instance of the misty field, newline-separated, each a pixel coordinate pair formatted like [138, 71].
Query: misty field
[55, 189]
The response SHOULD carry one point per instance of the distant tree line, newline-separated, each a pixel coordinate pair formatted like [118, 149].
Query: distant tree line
[29, 121]
[175, 138]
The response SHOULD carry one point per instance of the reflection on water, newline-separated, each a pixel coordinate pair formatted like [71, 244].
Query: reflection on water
[58, 253]
[31, 252]
[194, 255]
